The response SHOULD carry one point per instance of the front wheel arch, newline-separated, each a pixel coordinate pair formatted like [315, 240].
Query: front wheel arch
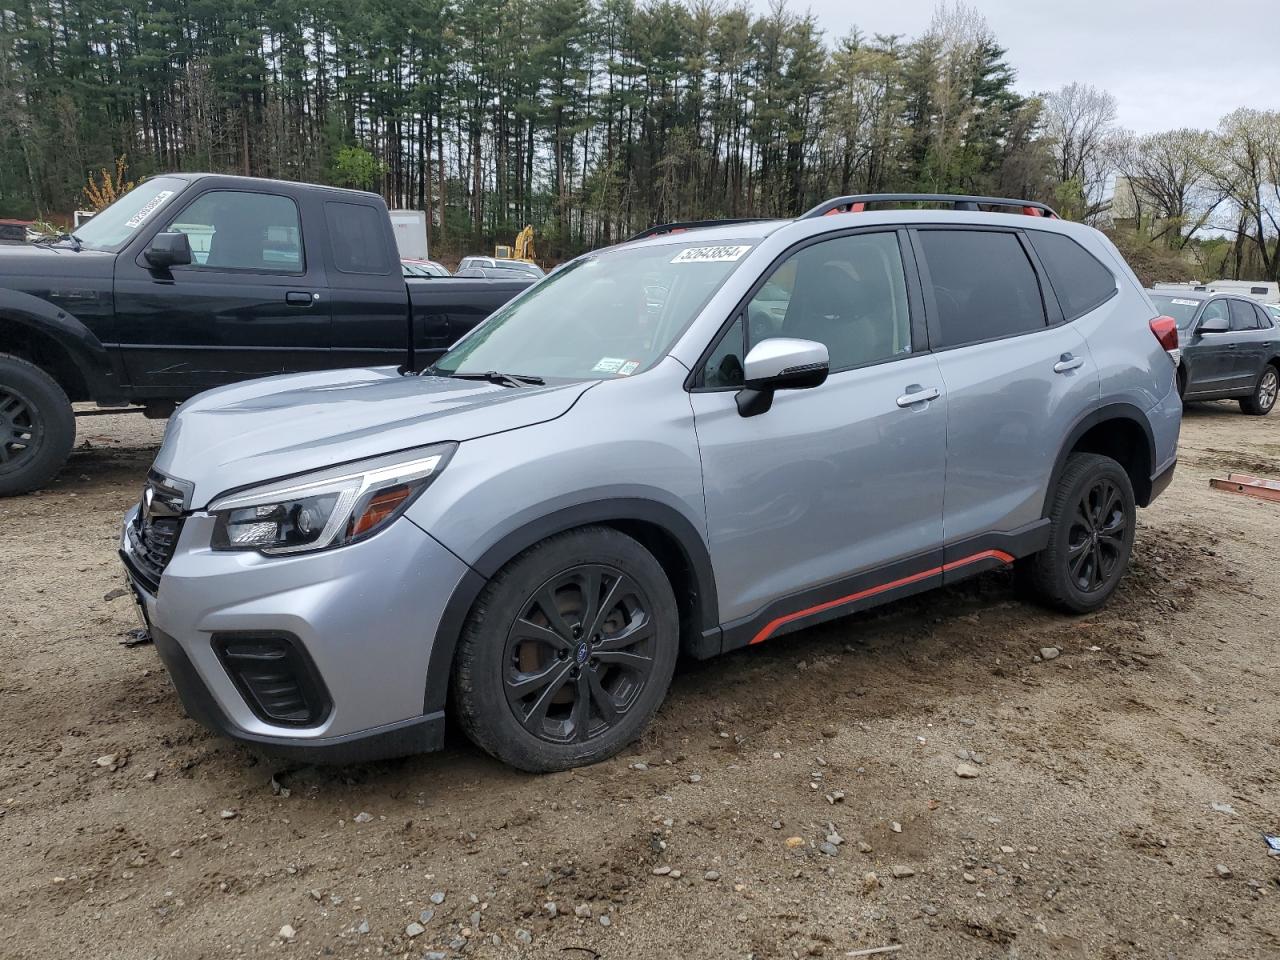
[661, 529]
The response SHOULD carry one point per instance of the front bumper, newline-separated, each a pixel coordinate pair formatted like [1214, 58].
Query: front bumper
[365, 617]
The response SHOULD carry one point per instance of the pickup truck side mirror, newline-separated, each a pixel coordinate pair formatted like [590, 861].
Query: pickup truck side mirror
[780, 363]
[1213, 325]
[169, 250]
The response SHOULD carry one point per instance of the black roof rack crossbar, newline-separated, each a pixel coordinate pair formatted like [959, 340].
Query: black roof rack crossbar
[682, 225]
[859, 202]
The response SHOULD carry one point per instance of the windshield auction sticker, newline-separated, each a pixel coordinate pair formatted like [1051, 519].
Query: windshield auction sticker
[1185, 303]
[608, 365]
[711, 254]
[148, 209]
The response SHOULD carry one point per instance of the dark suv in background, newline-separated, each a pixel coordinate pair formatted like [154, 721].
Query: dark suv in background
[1230, 348]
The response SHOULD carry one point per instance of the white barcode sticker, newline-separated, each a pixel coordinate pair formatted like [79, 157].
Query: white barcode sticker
[711, 254]
[1185, 303]
[148, 209]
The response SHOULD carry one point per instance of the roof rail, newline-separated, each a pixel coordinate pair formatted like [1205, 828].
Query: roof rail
[680, 226]
[858, 203]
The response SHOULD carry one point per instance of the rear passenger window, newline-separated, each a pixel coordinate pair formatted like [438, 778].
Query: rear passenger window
[1079, 280]
[1264, 319]
[359, 238]
[983, 286]
[1242, 316]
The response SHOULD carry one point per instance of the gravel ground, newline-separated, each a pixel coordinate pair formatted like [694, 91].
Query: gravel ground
[798, 799]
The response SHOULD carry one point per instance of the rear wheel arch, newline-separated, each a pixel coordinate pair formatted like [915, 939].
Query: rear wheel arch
[665, 532]
[1120, 431]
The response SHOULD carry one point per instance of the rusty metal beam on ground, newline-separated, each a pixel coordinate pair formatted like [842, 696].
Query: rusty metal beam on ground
[1242, 483]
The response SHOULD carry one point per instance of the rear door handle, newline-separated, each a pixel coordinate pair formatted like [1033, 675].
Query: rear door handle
[300, 298]
[1067, 362]
[918, 394]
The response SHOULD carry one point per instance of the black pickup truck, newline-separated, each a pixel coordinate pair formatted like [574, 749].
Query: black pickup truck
[191, 281]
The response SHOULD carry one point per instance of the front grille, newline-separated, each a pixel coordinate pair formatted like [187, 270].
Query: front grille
[154, 533]
[275, 677]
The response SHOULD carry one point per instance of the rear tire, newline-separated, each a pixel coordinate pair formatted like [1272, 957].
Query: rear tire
[37, 426]
[546, 691]
[1092, 516]
[1263, 398]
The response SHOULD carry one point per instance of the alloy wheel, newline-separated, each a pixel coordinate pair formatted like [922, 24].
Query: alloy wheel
[1096, 536]
[1268, 388]
[20, 428]
[579, 653]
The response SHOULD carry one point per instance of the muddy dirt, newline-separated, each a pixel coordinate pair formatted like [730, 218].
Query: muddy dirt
[1090, 830]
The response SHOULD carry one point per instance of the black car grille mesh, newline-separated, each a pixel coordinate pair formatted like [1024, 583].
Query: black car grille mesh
[154, 533]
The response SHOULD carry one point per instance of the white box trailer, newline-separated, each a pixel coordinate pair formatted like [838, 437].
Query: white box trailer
[410, 227]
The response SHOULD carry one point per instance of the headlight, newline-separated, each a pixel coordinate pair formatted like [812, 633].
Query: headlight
[328, 509]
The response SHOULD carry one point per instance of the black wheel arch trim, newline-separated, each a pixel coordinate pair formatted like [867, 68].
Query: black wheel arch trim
[1145, 492]
[606, 510]
[47, 320]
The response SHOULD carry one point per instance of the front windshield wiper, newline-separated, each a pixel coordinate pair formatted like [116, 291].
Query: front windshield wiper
[76, 242]
[502, 379]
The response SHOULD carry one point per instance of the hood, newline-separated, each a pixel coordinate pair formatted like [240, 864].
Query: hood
[262, 430]
[32, 263]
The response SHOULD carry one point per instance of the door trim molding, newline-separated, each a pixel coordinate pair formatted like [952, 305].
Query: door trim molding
[883, 584]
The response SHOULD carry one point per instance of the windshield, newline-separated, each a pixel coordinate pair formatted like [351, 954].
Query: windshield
[1180, 308]
[605, 315]
[111, 228]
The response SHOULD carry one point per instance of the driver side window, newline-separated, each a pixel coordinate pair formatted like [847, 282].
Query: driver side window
[848, 293]
[234, 230]
[1215, 310]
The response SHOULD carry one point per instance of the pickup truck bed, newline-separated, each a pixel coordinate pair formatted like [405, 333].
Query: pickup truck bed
[192, 281]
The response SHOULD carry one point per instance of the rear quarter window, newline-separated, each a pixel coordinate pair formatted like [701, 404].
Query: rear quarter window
[1080, 281]
[358, 236]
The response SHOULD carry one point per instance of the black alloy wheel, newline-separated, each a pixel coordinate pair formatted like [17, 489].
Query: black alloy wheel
[579, 654]
[21, 429]
[1092, 522]
[1097, 536]
[567, 652]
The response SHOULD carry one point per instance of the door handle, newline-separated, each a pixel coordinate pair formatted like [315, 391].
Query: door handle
[1067, 362]
[918, 394]
[300, 298]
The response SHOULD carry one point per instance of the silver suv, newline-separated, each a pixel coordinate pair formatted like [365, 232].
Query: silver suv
[701, 439]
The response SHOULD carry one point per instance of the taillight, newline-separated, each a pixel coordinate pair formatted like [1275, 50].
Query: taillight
[1165, 330]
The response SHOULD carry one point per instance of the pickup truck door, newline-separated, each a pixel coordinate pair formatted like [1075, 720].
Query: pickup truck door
[252, 302]
[369, 301]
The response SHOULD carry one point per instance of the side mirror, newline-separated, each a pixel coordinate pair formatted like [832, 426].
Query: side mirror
[780, 363]
[1214, 325]
[169, 250]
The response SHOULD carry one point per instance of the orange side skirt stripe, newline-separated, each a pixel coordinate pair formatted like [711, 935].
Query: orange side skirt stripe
[773, 625]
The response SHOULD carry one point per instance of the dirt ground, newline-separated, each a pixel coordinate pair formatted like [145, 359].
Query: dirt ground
[1121, 795]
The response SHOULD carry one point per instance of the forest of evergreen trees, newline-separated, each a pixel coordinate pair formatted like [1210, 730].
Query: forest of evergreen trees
[586, 118]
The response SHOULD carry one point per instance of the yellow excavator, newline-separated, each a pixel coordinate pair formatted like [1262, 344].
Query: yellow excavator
[523, 249]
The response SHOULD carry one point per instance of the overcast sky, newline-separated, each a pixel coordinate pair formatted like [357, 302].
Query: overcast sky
[1169, 63]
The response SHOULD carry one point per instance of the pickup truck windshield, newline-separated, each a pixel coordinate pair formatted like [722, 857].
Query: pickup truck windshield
[611, 314]
[114, 226]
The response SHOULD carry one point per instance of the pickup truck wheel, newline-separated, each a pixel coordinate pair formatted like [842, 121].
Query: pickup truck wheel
[568, 651]
[1092, 517]
[1263, 398]
[37, 426]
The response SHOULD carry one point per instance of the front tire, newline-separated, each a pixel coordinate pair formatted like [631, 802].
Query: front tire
[37, 426]
[1092, 516]
[568, 651]
[1263, 398]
